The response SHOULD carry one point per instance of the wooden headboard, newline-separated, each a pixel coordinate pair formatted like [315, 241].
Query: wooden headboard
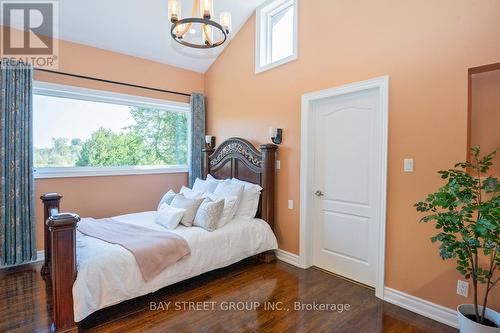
[238, 158]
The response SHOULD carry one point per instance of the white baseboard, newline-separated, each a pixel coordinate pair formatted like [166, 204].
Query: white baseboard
[422, 307]
[406, 301]
[288, 257]
[40, 256]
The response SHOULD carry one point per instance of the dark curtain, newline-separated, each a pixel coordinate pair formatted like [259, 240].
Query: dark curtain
[197, 136]
[17, 222]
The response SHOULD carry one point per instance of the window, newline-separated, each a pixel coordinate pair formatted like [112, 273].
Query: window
[82, 132]
[276, 42]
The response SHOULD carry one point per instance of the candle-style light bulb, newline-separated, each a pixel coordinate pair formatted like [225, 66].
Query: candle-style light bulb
[180, 30]
[174, 10]
[206, 8]
[207, 35]
[225, 21]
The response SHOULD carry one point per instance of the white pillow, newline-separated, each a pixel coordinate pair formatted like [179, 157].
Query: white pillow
[190, 205]
[209, 214]
[229, 204]
[189, 193]
[249, 203]
[167, 198]
[227, 188]
[248, 185]
[211, 178]
[169, 216]
[204, 185]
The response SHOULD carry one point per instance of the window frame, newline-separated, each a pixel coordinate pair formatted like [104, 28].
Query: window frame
[263, 35]
[73, 92]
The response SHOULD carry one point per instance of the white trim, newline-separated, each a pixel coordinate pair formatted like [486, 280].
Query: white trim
[288, 257]
[422, 307]
[70, 172]
[262, 38]
[67, 91]
[305, 257]
[73, 92]
[40, 256]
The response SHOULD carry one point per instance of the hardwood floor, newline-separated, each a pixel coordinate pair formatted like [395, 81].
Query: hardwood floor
[25, 304]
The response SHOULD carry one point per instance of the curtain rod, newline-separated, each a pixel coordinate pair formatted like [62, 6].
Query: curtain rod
[111, 82]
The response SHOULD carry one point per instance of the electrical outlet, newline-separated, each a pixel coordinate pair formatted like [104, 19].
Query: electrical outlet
[463, 288]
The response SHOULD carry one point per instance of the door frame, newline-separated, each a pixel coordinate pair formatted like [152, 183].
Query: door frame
[307, 167]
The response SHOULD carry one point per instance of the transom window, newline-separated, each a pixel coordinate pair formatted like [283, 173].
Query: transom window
[82, 132]
[276, 42]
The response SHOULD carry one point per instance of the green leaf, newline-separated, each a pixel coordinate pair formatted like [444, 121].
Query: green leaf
[465, 212]
[491, 185]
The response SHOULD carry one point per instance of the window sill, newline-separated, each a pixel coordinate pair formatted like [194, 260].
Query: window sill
[71, 172]
[260, 69]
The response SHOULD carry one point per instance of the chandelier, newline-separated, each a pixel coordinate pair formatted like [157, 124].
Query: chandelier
[213, 33]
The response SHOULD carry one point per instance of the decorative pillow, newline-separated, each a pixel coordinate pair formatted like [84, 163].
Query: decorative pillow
[250, 199]
[169, 216]
[229, 204]
[211, 178]
[227, 188]
[167, 198]
[248, 205]
[248, 185]
[190, 205]
[209, 214]
[204, 185]
[189, 193]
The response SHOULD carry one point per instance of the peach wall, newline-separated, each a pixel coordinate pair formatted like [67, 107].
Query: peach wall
[108, 196]
[426, 47]
[485, 114]
[90, 61]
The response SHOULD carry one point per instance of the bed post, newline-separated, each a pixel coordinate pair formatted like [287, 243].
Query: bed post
[51, 206]
[62, 228]
[268, 181]
[207, 151]
[268, 194]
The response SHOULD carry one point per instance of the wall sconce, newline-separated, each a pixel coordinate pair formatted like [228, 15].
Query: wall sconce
[276, 135]
[210, 141]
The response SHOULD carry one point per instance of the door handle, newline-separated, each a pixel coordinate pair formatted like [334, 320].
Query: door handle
[318, 193]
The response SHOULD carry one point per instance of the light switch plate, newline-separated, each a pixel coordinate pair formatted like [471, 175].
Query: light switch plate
[290, 204]
[278, 164]
[408, 165]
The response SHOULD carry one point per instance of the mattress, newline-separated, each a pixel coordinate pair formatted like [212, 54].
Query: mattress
[108, 274]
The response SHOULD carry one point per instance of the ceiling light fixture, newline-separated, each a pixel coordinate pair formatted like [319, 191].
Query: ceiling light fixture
[181, 26]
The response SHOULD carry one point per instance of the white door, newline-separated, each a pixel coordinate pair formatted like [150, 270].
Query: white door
[346, 182]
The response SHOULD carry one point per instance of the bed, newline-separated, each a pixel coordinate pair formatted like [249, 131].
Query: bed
[88, 274]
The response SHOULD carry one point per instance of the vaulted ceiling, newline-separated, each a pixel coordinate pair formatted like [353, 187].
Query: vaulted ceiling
[141, 28]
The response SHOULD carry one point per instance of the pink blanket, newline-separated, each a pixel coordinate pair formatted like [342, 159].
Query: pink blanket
[153, 250]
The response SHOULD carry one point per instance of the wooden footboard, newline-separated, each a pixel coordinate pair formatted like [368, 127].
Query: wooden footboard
[60, 261]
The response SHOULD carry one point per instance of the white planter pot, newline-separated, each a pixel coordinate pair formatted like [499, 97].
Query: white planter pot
[470, 326]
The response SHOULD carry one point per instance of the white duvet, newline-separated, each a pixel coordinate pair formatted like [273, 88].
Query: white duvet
[108, 274]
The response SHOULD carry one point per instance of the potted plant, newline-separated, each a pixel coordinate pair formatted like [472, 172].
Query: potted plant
[466, 212]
